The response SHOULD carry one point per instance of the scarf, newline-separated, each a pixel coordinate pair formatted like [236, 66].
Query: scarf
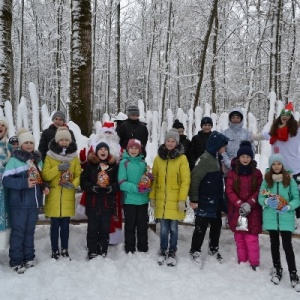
[277, 177]
[282, 134]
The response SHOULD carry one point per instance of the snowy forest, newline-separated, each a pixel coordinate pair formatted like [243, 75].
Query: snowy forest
[90, 57]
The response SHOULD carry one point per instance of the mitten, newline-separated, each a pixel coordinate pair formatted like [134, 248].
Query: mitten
[245, 209]
[181, 206]
[257, 137]
[96, 189]
[284, 209]
[67, 185]
[152, 203]
[64, 166]
[82, 155]
[272, 202]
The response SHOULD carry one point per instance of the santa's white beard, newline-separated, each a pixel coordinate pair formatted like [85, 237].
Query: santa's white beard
[112, 140]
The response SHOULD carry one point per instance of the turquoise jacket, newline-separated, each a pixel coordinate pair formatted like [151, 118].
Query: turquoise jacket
[272, 220]
[131, 169]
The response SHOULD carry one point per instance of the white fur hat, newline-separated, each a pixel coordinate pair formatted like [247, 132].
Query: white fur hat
[24, 136]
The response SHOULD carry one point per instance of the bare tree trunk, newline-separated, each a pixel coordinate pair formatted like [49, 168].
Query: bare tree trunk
[118, 61]
[94, 22]
[20, 94]
[278, 50]
[292, 56]
[81, 63]
[204, 46]
[213, 66]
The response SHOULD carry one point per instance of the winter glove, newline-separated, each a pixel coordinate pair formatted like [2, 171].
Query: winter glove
[67, 185]
[64, 166]
[272, 202]
[181, 206]
[96, 189]
[284, 209]
[245, 209]
[82, 155]
[152, 203]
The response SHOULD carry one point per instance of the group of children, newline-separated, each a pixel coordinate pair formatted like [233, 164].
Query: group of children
[254, 202]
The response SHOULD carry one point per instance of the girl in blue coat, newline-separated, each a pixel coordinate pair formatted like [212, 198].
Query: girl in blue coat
[279, 215]
[22, 176]
[131, 169]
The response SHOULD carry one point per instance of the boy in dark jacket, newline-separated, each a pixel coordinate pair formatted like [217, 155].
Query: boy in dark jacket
[206, 195]
[184, 141]
[99, 180]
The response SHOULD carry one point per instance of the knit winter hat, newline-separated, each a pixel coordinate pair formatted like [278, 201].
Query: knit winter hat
[277, 157]
[13, 139]
[206, 120]
[102, 145]
[59, 114]
[24, 136]
[215, 142]
[108, 127]
[4, 121]
[236, 112]
[63, 133]
[288, 110]
[245, 148]
[133, 110]
[177, 124]
[134, 143]
[173, 134]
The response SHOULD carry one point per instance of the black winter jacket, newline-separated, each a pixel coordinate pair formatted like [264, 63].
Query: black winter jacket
[105, 200]
[197, 147]
[133, 129]
[47, 135]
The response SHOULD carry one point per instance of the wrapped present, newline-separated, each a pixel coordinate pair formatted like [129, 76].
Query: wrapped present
[102, 177]
[34, 173]
[282, 202]
[242, 224]
[66, 176]
[144, 185]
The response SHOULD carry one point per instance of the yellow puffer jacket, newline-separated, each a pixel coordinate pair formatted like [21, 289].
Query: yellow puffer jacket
[171, 183]
[60, 202]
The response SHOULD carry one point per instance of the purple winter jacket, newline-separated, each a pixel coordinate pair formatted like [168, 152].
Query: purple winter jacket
[245, 195]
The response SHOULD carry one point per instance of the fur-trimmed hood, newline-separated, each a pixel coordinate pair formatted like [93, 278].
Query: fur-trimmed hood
[164, 153]
[24, 156]
[55, 151]
[94, 159]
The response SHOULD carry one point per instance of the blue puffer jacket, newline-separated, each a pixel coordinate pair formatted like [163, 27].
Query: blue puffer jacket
[131, 169]
[15, 178]
[272, 220]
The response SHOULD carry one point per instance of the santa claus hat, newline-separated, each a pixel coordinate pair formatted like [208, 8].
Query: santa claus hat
[289, 108]
[108, 127]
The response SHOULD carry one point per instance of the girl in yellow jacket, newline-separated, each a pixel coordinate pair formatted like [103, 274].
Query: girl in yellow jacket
[62, 171]
[169, 192]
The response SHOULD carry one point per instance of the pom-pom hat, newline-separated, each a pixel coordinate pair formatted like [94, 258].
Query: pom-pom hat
[245, 149]
[24, 136]
[63, 133]
[177, 124]
[134, 143]
[108, 127]
[288, 110]
[277, 157]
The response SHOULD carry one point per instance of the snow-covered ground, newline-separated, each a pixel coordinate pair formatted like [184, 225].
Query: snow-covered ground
[138, 276]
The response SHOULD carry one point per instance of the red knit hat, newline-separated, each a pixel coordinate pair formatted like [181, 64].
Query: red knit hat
[134, 143]
[108, 127]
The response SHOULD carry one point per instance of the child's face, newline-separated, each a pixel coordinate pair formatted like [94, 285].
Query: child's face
[133, 151]
[15, 145]
[27, 146]
[170, 144]
[245, 159]
[284, 118]
[58, 121]
[2, 130]
[206, 128]
[102, 153]
[64, 143]
[235, 119]
[180, 131]
[277, 167]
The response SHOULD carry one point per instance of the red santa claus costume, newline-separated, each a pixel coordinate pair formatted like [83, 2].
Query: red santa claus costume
[108, 135]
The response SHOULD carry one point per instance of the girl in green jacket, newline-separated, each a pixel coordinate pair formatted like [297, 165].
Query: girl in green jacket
[279, 197]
